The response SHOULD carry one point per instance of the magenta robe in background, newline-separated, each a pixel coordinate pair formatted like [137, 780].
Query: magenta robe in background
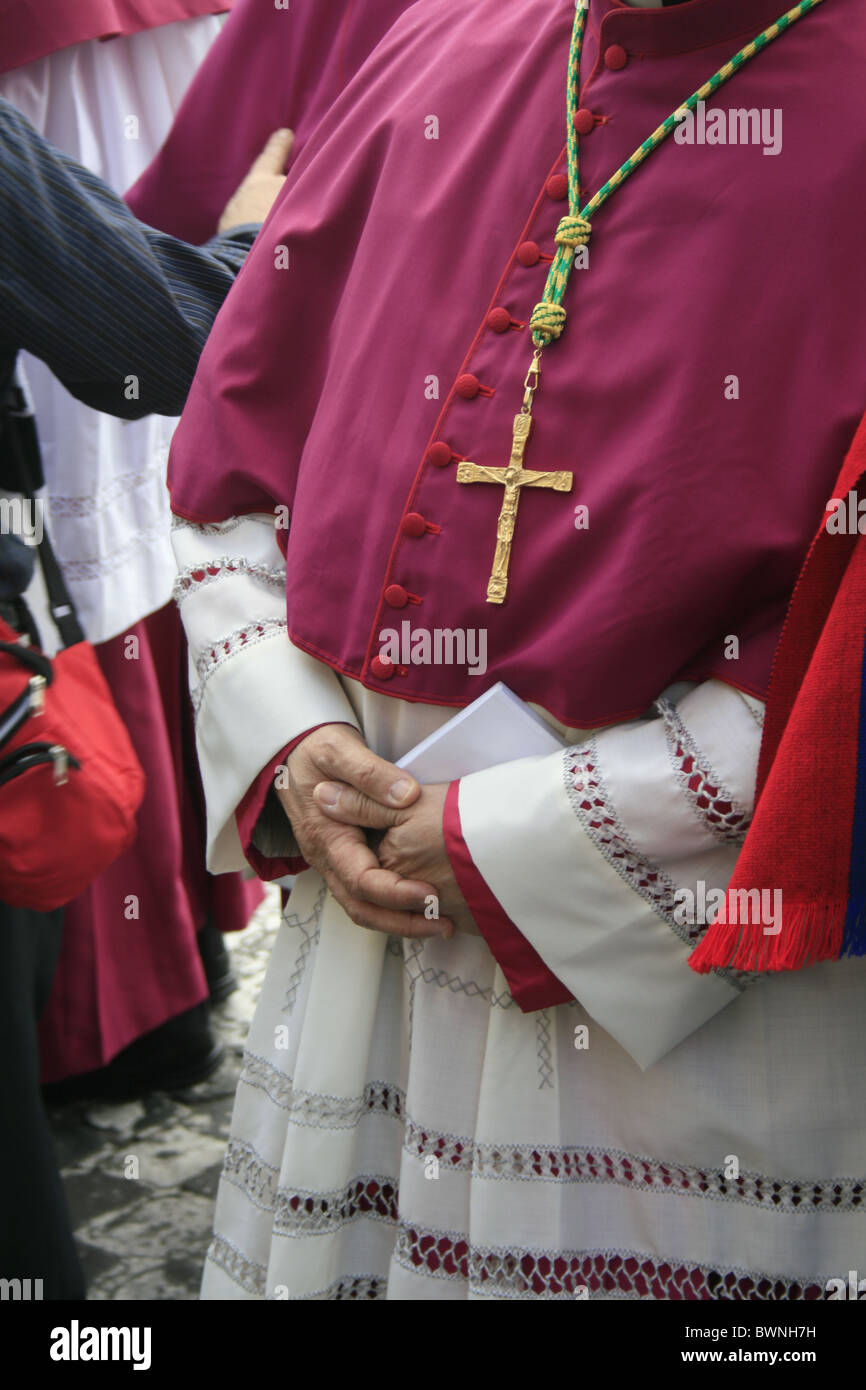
[31, 29]
[117, 978]
[268, 68]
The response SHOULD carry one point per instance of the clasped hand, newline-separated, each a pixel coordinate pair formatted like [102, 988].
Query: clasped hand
[337, 791]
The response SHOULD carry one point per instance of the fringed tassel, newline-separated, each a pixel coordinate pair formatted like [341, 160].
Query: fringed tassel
[808, 933]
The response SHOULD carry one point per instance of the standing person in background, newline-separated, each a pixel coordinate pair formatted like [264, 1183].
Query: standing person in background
[295, 63]
[68, 246]
[103, 82]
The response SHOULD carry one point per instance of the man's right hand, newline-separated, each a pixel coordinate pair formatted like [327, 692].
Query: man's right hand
[255, 197]
[370, 895]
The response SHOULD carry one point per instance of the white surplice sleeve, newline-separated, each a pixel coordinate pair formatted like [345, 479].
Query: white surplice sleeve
[253, 692]
[574, 864]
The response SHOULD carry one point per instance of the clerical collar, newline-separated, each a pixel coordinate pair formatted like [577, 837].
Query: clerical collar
[667, 29]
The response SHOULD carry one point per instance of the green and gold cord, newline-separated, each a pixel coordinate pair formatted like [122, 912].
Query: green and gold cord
[548, 317]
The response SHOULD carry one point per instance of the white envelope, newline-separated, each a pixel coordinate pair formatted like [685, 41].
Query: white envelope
[498, 727]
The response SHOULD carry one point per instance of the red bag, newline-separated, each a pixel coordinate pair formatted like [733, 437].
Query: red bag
[70, 783]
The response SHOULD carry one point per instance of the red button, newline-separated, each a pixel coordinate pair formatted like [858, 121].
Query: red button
[467, 386]
[440, 454]
[557, 187]
[584, 121]
[499, 320]
[615, 57]
[382, 668]
[413, 524]
[396, 596]
[528, 253]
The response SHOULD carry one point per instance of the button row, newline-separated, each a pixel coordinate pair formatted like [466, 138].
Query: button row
[529, 254]
[381, 668]
[467, 386]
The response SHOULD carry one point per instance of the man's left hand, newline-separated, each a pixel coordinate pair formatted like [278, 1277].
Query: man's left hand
[414, 846]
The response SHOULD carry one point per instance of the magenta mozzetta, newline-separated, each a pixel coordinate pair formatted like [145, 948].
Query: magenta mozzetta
[333, 386]
[31, 29]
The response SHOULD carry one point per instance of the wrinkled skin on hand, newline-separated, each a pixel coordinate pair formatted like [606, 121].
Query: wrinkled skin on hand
[332, 836]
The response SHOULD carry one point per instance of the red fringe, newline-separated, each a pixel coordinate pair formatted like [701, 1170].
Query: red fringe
[810, 932]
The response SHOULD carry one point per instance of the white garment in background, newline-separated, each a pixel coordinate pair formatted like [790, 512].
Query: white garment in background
[402, 1130]
[110, 106]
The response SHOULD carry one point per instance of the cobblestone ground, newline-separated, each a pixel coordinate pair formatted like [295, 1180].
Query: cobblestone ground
[145, 1237]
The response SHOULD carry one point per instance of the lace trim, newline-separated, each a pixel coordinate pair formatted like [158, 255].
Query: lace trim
[321, 1213]
[211, 658]
[245, 1273]
[195, 577]
[564, 1274]
[714, 804]
[594, 809]
[755, 708]
[325, 1112]
[82, 571]
[88, 504]
[525, 1163]
[601, 1164]
[245, 1169]
[430, 975]
[219, 528]
[360, 1286]
[543, 1049]
[252, 1277]
[293, 921]
[529, 1274]
[357, 1286]
[592, 804]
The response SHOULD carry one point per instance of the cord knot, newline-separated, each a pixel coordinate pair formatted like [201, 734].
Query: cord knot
[547, 321]
[573, 232]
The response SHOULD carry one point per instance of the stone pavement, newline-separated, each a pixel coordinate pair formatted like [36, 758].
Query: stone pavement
[141, 1176]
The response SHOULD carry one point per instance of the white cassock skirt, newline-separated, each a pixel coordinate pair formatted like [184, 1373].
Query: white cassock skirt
[402, 1130]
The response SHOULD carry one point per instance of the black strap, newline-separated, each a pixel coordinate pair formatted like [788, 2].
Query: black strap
[40, 665]
[13, 412]
[59, 598]
[16, 419]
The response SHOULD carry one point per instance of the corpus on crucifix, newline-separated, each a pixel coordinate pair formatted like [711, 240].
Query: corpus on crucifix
[512, 478]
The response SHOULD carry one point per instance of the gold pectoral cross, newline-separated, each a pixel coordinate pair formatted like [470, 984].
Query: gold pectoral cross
[512, 478]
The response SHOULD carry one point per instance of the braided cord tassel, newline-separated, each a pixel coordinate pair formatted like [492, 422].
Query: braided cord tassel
[548, 317]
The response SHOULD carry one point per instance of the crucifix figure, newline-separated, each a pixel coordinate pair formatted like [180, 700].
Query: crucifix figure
[512, 478]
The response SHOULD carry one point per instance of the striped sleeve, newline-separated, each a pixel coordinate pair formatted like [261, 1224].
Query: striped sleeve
[117, 310]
